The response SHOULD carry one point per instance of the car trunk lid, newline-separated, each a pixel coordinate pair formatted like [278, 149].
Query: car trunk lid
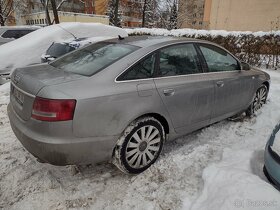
[27, 82]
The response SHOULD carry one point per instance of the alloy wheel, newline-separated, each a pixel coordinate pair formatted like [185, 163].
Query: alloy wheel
[143, 147]
[259, 99]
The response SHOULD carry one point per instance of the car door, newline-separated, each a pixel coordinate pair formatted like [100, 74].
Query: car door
[233, 87]
[187, 94]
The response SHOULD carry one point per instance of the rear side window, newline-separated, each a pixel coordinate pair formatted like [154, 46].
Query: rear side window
[178, 60]
[218, 59]
[89, 60]
[142, 70]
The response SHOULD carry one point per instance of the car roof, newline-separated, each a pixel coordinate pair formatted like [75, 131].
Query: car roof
[148, 41]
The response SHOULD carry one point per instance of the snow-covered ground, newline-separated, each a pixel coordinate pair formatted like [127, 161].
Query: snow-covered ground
[216, 168]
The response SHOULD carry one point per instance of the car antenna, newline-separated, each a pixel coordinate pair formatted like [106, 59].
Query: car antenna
[67, 31]
[121, 38]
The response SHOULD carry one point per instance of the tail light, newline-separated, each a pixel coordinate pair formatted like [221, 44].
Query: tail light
[53, 110]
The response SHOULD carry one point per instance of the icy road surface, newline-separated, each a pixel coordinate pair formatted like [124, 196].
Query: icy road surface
[218, 167]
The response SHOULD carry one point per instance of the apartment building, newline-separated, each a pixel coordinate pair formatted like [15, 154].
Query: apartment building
[191, 14]
[231, 15]
[243, 15]
[129, 10]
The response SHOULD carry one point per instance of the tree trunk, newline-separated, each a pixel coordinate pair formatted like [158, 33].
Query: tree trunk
[49, 22]
[116, 13]
[2, 22]
[143, 14]
[56, 19]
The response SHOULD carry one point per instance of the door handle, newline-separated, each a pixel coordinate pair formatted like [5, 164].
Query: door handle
[220, 84]
[169, 92]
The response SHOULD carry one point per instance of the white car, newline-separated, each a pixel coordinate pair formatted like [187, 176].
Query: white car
[28, 49]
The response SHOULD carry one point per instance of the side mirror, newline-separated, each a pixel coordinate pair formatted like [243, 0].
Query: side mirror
[245, 66]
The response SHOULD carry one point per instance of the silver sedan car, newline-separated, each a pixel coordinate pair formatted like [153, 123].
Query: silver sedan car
[121, 99]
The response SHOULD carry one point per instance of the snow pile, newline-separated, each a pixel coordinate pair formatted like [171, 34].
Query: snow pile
[195, 33]
[4, 93]
[28, 49]
[231, 184]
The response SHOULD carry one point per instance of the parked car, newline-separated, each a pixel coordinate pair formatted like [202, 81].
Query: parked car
[10, 33]
[28, 49]
[58, 49]
[122, 99]
[272, 158]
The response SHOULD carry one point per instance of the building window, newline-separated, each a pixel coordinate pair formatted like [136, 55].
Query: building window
[200, 22]
[194, 22]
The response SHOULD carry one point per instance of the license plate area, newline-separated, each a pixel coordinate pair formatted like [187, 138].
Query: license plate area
[19, 96]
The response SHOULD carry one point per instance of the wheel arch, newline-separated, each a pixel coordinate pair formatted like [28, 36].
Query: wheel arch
[160, 118]
[266, 83]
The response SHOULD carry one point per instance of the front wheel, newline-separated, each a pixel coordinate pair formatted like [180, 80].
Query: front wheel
[139, 146]
[259, 100]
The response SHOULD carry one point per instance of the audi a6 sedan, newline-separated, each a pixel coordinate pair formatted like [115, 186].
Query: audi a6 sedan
[121, 99]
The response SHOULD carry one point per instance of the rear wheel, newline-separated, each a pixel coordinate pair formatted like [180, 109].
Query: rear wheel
[139, 146]
[259, 100]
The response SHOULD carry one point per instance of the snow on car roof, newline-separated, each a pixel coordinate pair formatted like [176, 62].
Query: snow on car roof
[28, 49]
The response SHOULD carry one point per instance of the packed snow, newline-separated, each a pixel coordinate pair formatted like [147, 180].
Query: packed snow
[216, 168]
[195, 32]
[28, 49]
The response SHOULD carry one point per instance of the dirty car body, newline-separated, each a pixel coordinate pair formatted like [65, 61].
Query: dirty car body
[97, 91]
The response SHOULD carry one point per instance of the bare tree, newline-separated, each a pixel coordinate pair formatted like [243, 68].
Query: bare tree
[55, 14]
[52, 4]
[186, 12]
[45, 4]
[114, 12]
[7, 8]
[149, 13]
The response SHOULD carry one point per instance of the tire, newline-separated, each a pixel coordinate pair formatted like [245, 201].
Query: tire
[139, 146]
[258, 101]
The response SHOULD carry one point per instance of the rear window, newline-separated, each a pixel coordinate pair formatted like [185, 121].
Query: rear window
[89, 60]
[57, 49]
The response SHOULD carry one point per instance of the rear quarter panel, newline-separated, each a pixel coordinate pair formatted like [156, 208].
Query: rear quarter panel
[112, 113]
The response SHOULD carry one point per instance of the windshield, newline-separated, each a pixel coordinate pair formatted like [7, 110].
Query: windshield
[89, 60]
[57, 49]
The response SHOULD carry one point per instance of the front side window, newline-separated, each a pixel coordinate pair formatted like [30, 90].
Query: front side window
[89, 60]
[178, 60]
[142, 70]
[218, 59]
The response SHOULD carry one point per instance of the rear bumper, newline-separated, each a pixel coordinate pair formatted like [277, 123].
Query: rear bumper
[65, 151]
[272, 167]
